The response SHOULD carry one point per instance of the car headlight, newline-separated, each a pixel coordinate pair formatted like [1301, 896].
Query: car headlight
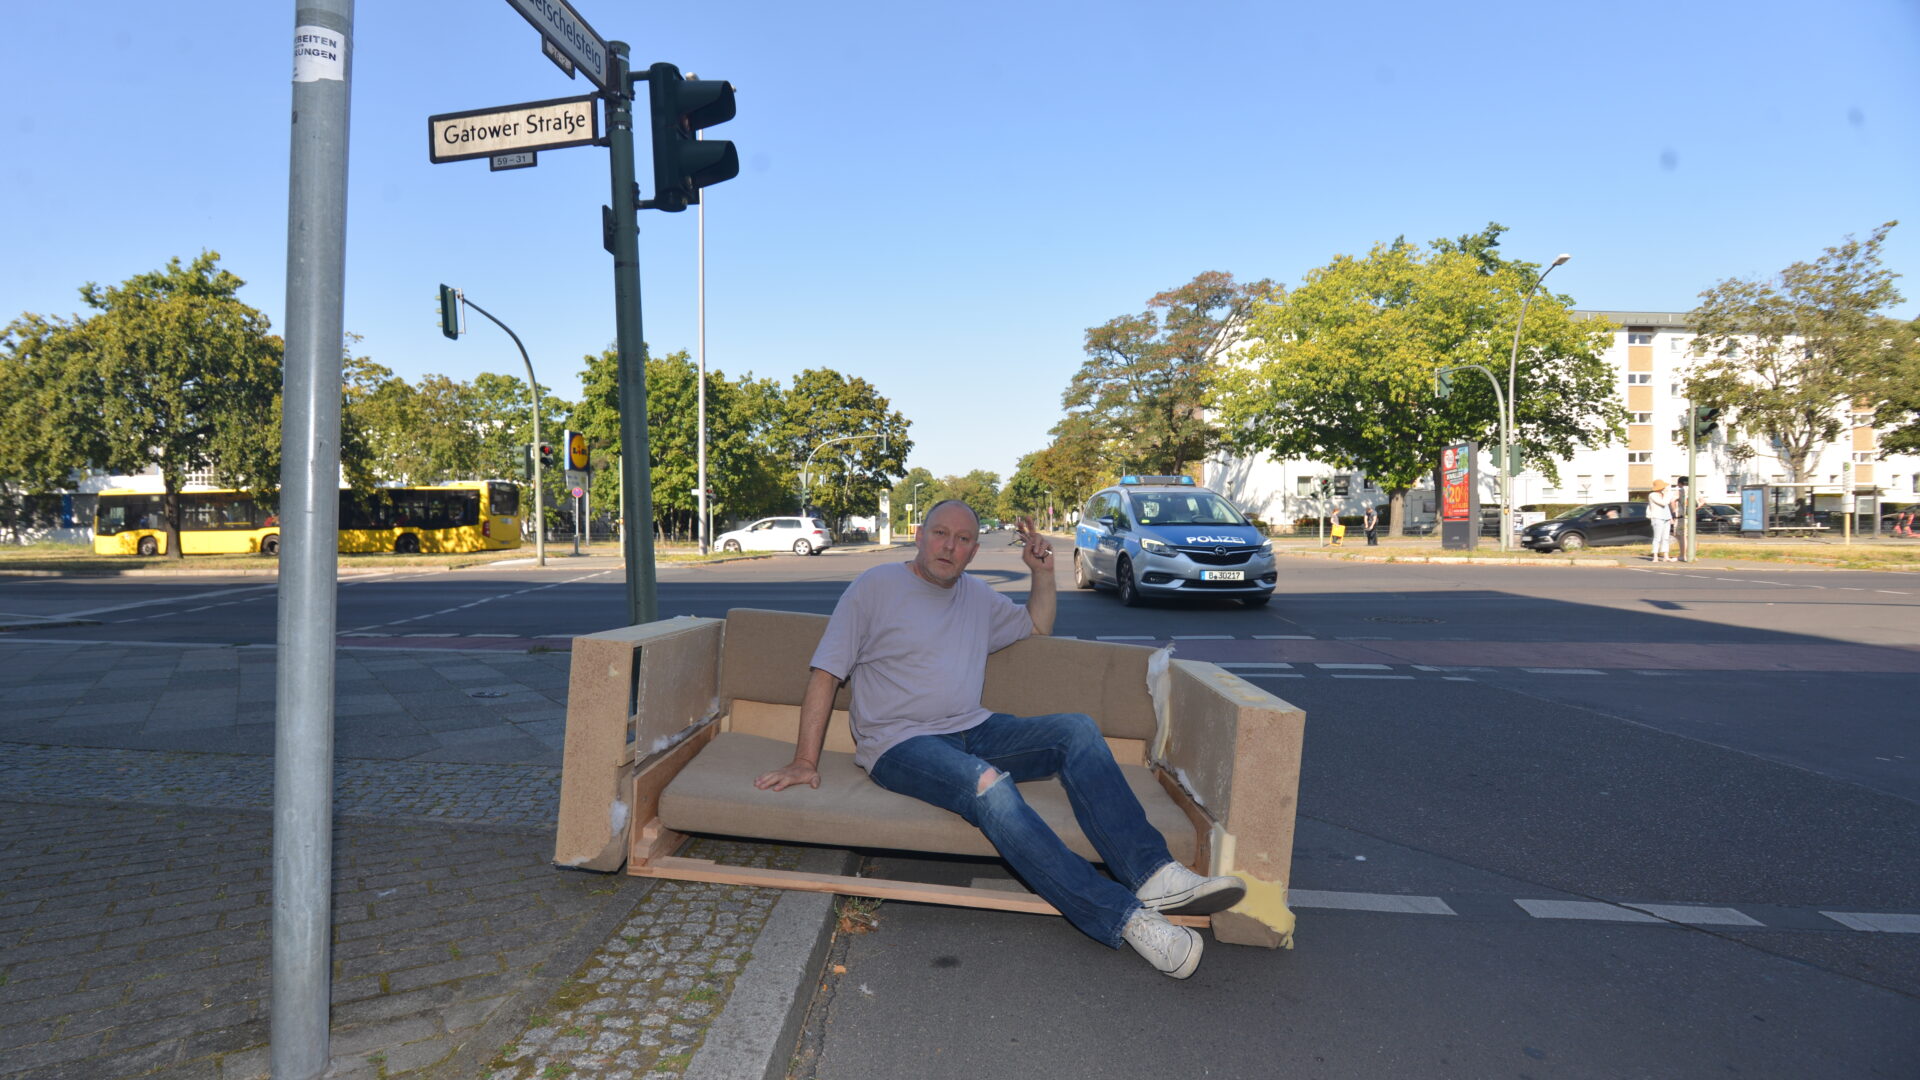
[1266, 549]
[1154, 547]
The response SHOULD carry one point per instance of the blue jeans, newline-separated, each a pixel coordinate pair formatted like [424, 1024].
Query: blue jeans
[945, 770]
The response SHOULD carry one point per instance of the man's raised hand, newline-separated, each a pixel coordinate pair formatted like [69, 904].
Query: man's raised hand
[1036, 550]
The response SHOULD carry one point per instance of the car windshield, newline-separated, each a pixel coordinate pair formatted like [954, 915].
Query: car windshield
[1184, 508]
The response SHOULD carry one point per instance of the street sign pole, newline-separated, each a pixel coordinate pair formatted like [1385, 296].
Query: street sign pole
[310, 555]
[636, 485]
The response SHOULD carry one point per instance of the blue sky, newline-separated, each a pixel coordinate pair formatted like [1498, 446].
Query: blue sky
[942, 197]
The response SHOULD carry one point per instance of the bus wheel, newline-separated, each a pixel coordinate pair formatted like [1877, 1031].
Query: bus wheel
[406, 544]
[149, 546]
[270, 545]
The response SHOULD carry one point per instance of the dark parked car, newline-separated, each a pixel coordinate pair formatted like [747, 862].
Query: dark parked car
[1717, 518]
[1593, 525]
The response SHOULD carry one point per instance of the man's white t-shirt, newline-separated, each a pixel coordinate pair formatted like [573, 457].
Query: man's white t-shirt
[915, 653]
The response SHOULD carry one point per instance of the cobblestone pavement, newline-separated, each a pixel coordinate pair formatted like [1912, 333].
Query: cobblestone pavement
[136, 867]
[467, 707]
[527, 796]
[641, 1004]
[137, 940]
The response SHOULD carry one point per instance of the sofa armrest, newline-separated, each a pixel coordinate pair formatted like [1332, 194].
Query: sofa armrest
[630, 695]
[1237, 748]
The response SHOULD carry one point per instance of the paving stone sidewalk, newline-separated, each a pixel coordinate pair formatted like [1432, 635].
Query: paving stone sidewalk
[135, 915]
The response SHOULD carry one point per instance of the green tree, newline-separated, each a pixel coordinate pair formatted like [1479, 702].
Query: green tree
[979, 489]
[1786, 356]
[910, 502]
[1145, 382]
[1894, 378]
[1342, 368]
[846, 478]
[1026, 492]
[740, 416]
[177, 374]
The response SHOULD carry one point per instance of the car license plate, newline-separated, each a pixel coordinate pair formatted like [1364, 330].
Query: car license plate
[1223, 575]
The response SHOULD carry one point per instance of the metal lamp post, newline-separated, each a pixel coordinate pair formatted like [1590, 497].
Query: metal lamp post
[539, 498]
[1443, 388]
[1509, 419]
[822, 446]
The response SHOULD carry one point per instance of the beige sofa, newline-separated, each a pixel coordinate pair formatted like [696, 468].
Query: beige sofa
[669, 722]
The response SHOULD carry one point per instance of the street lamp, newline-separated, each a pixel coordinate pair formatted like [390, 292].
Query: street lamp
[1511, 419]
[844, 438]
[914, 506]
[1442, 387]
[533, 384]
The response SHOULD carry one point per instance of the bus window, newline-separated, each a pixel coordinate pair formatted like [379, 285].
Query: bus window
[503, 499]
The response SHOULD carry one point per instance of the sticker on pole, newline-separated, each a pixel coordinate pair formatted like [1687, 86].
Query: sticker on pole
[319, 53]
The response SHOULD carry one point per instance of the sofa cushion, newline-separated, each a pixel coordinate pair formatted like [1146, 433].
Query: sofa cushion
[715, 794]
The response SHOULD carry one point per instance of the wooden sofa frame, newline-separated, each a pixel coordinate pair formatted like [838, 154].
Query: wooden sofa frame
[644, 701]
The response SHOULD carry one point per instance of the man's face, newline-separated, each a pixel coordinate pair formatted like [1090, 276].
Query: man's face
[948, 541]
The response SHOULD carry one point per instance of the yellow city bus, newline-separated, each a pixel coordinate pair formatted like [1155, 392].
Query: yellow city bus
[465, 515]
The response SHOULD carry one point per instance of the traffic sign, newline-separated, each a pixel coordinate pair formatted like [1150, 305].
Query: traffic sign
[560, 24]
[519, 159]
[560, 60]
[576, 478]
[577, 492]
[532, 125]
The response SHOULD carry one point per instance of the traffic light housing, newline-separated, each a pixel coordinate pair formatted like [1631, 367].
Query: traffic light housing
[1705, 419]
[450, 311]
[545, 451]
[1443, 384]
[682, 163]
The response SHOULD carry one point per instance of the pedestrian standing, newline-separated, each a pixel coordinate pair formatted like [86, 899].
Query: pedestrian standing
[1371, 520]
[1660, 514]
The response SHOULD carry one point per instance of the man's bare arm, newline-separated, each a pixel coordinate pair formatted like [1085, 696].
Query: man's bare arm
[816, 708]
[1042, 599]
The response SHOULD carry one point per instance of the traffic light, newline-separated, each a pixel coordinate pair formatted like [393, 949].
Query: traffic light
[450, 311]
[546, 455]
[1443, 384]
[526, 461]
[683, 164]
[1705, 419]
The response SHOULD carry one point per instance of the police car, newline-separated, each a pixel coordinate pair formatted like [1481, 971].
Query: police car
[1166, 536]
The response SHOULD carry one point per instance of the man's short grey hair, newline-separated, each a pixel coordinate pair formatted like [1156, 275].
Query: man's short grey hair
[935, 508]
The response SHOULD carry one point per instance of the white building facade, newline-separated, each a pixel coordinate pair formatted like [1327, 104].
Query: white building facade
[1651, 355]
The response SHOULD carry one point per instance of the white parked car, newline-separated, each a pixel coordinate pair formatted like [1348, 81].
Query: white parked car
[802, 536]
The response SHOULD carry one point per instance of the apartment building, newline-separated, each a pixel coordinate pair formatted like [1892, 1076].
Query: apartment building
[1650, 356]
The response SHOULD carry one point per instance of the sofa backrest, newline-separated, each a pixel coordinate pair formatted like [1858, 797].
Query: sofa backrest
[766, 653]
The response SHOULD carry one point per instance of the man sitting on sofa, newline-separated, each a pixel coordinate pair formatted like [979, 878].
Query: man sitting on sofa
[914, 637]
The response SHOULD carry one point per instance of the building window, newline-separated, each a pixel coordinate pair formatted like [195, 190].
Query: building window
[1639, 378]
[1676, 344]
[1863, 419]
[1303, 486]
[1367, 485]
[1641, 418]
[1639, 337]
[1733, 483]
[1583, 485]
[1639, 457]
[1863, 457]
[1606, 482]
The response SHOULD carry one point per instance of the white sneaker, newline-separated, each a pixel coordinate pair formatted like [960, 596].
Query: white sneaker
[1175, 950]
[1176, 890]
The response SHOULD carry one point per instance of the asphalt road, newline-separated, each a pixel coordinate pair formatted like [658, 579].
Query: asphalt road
[1741, 739]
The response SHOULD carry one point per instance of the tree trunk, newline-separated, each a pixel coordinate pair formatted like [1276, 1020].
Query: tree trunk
[170, 511]
[1396, 512]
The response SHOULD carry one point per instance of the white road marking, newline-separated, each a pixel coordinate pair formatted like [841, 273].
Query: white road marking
[1373, 676]
[1356, 901]
[1874, 922]
[1354, 667]
[1246, 665]
[1203, 637]
[1582, 909]
[1698, 916]
[1127, 637]
[1283, 637]
[164, 600]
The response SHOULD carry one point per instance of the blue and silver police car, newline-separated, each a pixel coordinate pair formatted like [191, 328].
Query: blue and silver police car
[1166, 536]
